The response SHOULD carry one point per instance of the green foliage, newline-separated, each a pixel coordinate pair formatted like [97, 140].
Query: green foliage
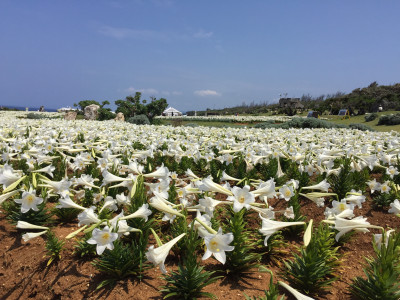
[139, 120]
[123, 261]
[371, 117]
[293, 172]
[382, 273]
[242, 258]
[393, 119]
[83, 249]
[301, 123]
[314, 269]
[383, 199]
[346, 180]
[312, 123]
[361, 127]
[54, 246]
[190, 278]
[133, 105]
[14, 214]
[105, 114]
[66, 215]
[38, 116]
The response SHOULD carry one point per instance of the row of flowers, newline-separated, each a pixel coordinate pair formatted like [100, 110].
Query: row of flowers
[124, 183]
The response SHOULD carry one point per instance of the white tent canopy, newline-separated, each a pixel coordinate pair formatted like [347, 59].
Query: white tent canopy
[170, 111]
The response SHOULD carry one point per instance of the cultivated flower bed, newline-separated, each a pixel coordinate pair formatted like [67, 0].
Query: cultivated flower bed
[96, 209]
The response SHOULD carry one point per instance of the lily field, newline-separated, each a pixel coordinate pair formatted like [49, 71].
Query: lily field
[112, 210]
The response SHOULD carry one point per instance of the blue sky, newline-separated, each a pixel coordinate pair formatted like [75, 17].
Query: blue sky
[196, 54]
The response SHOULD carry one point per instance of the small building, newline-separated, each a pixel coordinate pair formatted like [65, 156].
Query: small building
[344, 113]
[65, 109]
[290, 102]
[171, 112]
[313, 114]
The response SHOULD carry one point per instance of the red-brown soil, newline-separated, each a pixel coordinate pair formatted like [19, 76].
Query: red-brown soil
[24, 274]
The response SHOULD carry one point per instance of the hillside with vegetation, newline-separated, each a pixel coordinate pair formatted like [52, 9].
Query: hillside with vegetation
[358, 102]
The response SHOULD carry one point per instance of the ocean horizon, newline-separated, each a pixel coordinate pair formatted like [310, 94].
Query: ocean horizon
[29, 108]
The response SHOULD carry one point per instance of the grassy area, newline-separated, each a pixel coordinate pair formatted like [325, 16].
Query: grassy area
[361, 120]
[208, 123]
[334, 119]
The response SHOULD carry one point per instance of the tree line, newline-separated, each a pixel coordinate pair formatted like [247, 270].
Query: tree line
[131, 106]
[358, 101]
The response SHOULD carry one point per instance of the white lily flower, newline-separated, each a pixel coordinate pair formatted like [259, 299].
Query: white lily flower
[102, 239]
[122, 199]
[322, 186]
[161, 172]
[88, 216]
[226, 177]
[266, 189]
[217, 244]
[109, 177]
[160, 205]
[87, 181]
[392, 171]
[355, 198]
[5, 196]
[286, 192]
[58, 187]
[7, 176]
[31, 235]
[26, 225]
[191, 174]
[143, 212]
[208, 205]
[110, 203]
[385, 187]
[241, 198]
[135, 167]
[210, 186]
[66, 202]
[359, 224]
[394, 207]
[158, 255]
[29, 201]
[269, 227]
[48, 170]
[373, 185]
[378, 238]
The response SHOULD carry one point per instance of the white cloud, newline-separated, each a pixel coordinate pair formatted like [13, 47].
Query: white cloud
[205, 93]
[176, 93]
[201, 34]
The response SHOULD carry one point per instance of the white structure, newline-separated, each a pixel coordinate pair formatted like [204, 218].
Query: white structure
[64, 109]
[171, 112]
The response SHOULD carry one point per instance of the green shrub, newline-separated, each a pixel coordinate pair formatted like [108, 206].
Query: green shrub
[139, 120]
[312, 123]
[38, 116]
[361, 127]
[105, 114]
[371, 117]
[393, 119]
[192, 125]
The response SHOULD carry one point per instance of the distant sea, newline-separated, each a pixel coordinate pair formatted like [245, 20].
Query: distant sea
[30, 108]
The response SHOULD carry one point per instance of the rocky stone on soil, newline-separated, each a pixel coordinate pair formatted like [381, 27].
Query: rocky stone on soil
[70, 115]
[91, 112]
[120, 117]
